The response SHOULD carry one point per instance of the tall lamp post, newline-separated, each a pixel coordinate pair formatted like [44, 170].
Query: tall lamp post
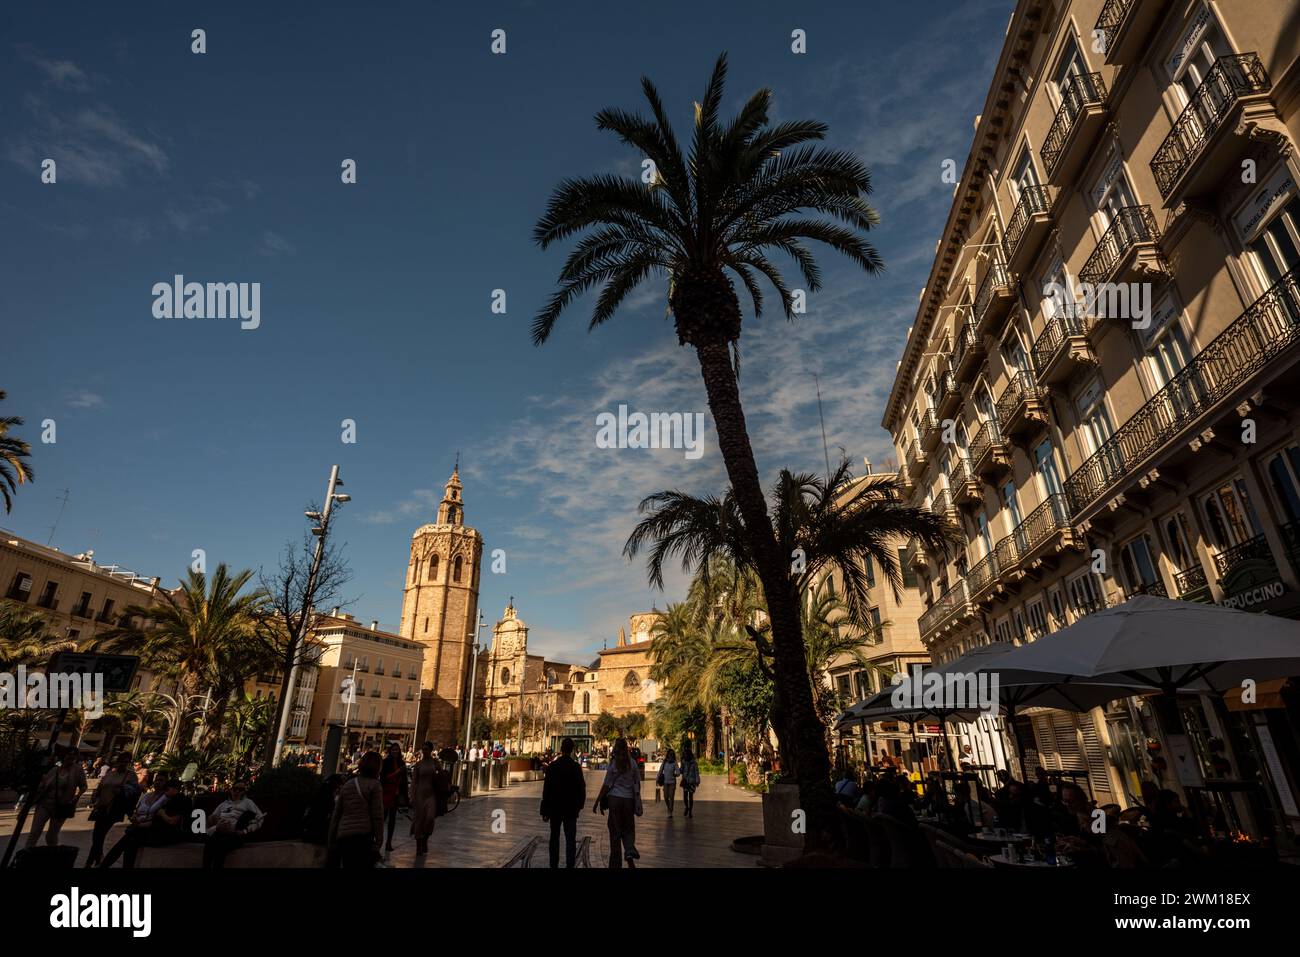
[473, 674]
[321, 531]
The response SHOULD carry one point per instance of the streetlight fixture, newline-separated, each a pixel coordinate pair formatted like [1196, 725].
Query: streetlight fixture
[321, 531]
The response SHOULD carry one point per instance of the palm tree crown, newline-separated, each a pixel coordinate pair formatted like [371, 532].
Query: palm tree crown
[728, 204]
[14, 471]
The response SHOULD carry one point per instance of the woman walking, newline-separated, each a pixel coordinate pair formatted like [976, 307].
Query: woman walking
[357, 826]
[668, 774]
[113, 800]
[690, 772]
[56, 798]
[424, 798]
[621, 795]
[395, 779]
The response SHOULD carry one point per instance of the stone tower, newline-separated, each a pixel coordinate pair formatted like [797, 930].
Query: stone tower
[440, 611]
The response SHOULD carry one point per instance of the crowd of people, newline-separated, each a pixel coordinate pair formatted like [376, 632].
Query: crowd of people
[1058, 817]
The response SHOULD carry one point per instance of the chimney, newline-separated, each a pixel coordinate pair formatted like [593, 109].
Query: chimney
[334, 612]
[374, 624]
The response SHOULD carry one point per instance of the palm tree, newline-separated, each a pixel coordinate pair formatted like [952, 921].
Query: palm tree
[25, 637]
[681, 650]
[744, 191]
[189, 635]
[13, 450]
[836, 523]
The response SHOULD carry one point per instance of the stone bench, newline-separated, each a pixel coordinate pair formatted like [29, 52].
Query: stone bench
[257, 854]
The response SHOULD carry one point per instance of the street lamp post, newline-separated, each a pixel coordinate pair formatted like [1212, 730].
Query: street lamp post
[321, 531]
[473, 674]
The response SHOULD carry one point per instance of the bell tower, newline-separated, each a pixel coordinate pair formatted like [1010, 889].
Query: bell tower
[440, 611]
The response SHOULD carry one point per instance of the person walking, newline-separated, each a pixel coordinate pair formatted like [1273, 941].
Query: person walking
[356, 831]
[114, 798]
[56, 798]
[667, 779]
[395, 780]
[564, 792]
[690, 773]
[621, 796]
[424, 798]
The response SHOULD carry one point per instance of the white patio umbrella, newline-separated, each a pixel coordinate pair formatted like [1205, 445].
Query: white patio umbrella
[1159, 644]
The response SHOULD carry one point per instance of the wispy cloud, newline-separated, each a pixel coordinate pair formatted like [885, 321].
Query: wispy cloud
[83, 399]
[63, 74]
[92, 145]
[273, 244]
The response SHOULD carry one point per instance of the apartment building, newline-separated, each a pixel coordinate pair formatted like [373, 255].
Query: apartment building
[386, 668]
[1099, 388]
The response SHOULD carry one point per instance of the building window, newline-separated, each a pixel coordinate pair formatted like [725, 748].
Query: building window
[1136, 559]
[1085, 594]
[586, 702]
[1037, 619]
[505, 676]
[632, 682]
[1283, 473]
[870, 566]
[426, 624]
[873, 616]
[21, 587]
[1002, 630]
[1230, 514]
[456, 567]
[433, 568]
[47, 595]
[909, 574]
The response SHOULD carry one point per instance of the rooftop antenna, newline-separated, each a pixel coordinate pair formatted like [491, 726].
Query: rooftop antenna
[825, 450]
[50, 541]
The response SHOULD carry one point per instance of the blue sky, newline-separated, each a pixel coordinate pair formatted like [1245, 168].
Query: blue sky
[375, 297]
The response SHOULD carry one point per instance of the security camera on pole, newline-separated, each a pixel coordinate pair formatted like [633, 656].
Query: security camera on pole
[321, 531]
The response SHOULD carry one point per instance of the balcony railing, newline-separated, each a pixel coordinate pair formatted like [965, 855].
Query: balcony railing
[1252, 549]
[942, 506]
[930, 429]
[1132, 225]
[985, 437]
[1231, 78]
[1053, 338]
[1190, 579]
[944, 607]
[967, 341]
[982, 574]
[1157, 589]
[1270, 325]
[994, 279]
[1079, 91]
[1111, 19]
[1048, 518]
[1033, 200]
[1022, 388]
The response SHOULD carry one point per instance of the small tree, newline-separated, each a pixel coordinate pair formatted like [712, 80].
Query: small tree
[606, 727]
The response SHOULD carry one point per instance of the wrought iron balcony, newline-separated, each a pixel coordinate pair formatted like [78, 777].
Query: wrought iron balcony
[1269, 325]
[930, 431]
[1150, 588]
[1190, 579]
[1253, 549]
[915, 457]
[1124, 24]
[1080, 114]
[988, 451]
[1061, 347]
[993, 297]
[1022, 406]
[1230, 79]
[942, 507]
[982, 575]
[1027, 226]
[914, 556]
[1118, 252]
[964, 486]
[949, 395]
[968, 352]
[944, 608]
[1050, 518]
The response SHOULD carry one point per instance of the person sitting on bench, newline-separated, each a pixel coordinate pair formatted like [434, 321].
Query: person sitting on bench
[229, 826]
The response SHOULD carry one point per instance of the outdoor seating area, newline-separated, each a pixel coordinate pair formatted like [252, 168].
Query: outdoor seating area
[1213, 808]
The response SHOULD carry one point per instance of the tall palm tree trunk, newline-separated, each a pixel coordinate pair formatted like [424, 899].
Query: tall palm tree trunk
[710, 735]
[803, 746]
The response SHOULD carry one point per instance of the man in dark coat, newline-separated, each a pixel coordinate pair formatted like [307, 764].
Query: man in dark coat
[563, 794]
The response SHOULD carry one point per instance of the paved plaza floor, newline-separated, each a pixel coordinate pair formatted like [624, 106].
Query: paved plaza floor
[468, 838]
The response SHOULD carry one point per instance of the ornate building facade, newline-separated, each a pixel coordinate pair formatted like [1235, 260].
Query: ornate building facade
[1148, 440]
[440, 611]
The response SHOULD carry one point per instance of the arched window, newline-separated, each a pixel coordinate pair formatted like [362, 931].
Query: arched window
[455, 568]
[505, 676]
[632, 682]
[433, 567]
[586, 702]
[415, 571]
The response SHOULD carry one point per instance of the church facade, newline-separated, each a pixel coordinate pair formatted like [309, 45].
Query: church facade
[440, 612]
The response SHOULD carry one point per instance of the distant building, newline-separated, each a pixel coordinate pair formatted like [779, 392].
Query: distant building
[387, 668]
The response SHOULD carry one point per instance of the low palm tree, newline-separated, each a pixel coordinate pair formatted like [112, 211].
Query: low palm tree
[14, 469]
[745, 190]
[681, 649]
[189, 635]
[833, 524]
[25, 637]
